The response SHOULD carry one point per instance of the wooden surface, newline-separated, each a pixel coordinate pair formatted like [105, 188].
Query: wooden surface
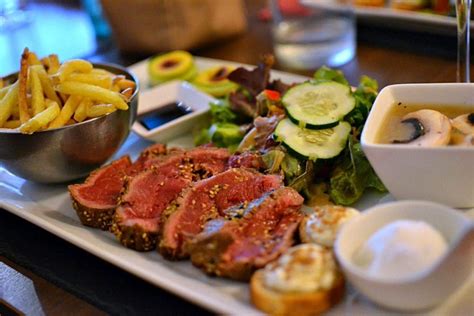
[416, 58]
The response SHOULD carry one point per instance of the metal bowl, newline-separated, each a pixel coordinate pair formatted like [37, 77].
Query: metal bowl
[70, 152]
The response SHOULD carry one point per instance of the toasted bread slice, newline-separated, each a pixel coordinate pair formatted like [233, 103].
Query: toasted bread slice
[301, 304]
[370, 3]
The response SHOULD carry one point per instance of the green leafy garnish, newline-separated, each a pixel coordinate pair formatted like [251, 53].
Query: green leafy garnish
[352, 175]
[225, 134]
[222, 132]
[221, 112]
[327, 74]
[364, 95]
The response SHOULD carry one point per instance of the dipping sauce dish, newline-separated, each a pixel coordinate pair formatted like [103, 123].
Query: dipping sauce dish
[417, 291]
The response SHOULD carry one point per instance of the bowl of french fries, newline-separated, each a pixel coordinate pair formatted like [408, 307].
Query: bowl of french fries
[60, 121]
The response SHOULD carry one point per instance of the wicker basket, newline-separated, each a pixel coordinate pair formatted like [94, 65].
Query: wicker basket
[149, 26]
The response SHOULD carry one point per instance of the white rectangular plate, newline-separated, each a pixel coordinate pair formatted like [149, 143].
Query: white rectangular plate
[49, 207]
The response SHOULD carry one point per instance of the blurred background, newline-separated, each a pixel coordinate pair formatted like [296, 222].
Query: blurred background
[79, 28]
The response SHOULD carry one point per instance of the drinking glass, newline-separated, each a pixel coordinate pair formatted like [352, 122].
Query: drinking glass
[310, 33]
[463, 14]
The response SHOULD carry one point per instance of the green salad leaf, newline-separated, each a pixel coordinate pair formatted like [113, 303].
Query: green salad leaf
[221, 112]
[352, 175]
[273, 160]
[364, 95]
[327, 74]
[225, 134]
[222, 132]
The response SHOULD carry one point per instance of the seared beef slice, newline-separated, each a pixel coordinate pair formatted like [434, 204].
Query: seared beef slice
[137, 220]
[95, 200]
[206, 200]
[248, 237]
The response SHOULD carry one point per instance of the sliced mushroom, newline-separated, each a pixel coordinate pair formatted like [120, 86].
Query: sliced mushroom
[463, 130]
[429, 128]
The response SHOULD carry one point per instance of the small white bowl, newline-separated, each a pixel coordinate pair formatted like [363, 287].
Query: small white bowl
[422, 290]
[440, 174]
[168, 93]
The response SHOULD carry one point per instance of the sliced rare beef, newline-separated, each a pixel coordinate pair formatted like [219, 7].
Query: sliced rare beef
[137, 219]
[208, 161]
[206, 200]
[151, 153]
[95, 199]
[202, 161]
[249, 236]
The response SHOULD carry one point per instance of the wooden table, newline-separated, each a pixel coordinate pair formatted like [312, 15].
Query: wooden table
[387, 55]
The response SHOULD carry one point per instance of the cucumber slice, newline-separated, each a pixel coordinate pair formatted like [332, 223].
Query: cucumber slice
[313, 144]
[318, 106]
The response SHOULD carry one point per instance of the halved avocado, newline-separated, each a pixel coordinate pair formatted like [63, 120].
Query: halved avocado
[174, 65]
[214, 81]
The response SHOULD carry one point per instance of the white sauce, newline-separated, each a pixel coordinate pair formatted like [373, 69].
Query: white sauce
[304, 268]
[401, 249]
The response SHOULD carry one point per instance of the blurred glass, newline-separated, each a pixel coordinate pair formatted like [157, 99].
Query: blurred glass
[310, 33]
[94, 10]
[12, 14]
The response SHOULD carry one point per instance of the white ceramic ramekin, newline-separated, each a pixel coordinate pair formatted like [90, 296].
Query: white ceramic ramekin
[439, 174]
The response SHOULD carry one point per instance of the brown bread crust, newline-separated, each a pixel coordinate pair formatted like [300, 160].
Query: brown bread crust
[288, 304]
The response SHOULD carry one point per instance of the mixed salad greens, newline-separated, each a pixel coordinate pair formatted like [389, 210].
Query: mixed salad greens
[308, 132]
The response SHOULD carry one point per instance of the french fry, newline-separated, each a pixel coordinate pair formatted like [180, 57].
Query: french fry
[127, 93]
[126, 84]
[37, 98]
[63, 97]
[81, 111]
[93, 92]
[53, 64]
[73, 65]
[66, 112]
[8, 103]
[99, 71]
[49, 102]
[46, 83]
[3, 91]
[15, 110]
[101, 80]
[50, 95]
[33, 59]
[100, 109]
[40, 120]
[115, 88]
[12, 124]
[118, 78]
[45, 62]
[22, 79]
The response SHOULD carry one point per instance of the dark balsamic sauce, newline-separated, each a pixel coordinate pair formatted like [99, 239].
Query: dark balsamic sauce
[163, 115]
